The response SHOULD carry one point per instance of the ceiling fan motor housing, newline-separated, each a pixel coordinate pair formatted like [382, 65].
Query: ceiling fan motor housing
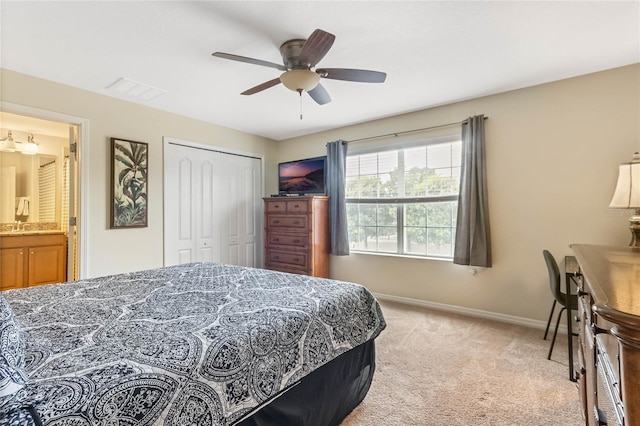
[290, 51]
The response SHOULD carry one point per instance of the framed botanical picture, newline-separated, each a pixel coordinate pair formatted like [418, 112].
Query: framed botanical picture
[129, 168]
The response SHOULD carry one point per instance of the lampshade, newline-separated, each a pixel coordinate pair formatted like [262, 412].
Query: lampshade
[300, 80]
[627, 194]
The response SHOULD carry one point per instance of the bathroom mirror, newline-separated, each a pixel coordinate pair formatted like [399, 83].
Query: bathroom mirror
[29, 188]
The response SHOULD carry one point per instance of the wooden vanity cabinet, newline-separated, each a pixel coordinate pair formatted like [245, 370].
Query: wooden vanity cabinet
[12, 263]
[30, 260]
[297, 235]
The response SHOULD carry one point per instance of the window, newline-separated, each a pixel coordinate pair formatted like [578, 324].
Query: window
[404, 200]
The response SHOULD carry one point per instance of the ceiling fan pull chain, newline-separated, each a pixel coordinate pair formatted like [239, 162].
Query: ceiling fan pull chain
[300, 92]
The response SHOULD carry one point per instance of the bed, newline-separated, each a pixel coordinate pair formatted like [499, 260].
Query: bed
[193, 344]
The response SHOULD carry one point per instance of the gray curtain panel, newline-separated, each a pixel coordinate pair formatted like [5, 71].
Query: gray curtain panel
[473, 234]
[336, 171]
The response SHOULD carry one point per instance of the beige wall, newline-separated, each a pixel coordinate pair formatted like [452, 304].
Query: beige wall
[552, 152]
[123, 250]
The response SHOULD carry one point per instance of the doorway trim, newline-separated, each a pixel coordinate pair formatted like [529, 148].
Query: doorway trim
[82, 218]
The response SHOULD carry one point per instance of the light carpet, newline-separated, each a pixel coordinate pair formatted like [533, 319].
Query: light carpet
[437, 368]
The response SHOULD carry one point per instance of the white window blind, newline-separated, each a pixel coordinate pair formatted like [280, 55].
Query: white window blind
[64, 217]
[47, 192]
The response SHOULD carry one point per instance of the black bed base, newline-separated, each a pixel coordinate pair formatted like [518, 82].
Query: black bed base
[324, 397]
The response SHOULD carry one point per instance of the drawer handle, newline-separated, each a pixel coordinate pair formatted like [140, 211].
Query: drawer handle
[295, 206]
[598, 330]
[296, 259]
[296, 222]
[296, 241]
[276, 221]
[276, 239]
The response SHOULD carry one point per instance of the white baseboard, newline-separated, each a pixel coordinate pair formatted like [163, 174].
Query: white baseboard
[510, 319]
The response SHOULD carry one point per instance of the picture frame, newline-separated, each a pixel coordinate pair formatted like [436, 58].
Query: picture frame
[129, 171]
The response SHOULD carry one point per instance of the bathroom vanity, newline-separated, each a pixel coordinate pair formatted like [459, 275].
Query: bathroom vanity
[31, 258]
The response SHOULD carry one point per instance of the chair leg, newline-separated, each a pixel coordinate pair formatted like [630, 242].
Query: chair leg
[546, 330]
[555, 333]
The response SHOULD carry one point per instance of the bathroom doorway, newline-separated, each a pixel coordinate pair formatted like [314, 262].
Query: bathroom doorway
[48, 185]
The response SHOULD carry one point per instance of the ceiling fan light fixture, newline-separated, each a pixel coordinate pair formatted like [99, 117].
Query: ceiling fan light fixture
[297, 80]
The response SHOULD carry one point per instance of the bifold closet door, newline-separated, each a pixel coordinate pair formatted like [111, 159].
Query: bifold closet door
[212, 207]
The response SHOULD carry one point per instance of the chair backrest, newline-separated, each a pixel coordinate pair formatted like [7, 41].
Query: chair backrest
[554, 278]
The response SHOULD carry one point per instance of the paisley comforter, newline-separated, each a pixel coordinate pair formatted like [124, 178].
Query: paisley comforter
[199, 343]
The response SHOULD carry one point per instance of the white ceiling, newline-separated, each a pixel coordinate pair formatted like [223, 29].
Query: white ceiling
[434, 52]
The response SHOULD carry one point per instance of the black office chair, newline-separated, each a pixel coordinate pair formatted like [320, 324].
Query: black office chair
[558, 297]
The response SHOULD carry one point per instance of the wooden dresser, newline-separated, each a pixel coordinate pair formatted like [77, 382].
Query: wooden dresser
[297, 234]
[609, 336]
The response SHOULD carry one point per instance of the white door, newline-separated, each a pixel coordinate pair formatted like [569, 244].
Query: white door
[239, 207]
[213, 209]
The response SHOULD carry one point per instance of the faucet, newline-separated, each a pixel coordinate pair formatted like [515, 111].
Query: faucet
[19, 226]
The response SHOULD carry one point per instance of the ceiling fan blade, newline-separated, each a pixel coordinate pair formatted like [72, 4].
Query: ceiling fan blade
[249, 60]
[347, 74]
[320, 95]
[261, 87]
[316, 46]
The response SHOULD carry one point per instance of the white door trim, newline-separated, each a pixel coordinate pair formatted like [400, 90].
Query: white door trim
[82, 227]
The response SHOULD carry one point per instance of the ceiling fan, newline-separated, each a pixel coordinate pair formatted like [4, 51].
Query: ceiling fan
[299, 57]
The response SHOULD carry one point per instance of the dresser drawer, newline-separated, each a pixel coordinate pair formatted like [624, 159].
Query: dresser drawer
[297, 206]
[279, 206]
[285, 258]
[288, 221]
[293, 241]
[287, 205]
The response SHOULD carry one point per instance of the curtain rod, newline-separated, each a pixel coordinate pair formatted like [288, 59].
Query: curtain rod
[396, 134]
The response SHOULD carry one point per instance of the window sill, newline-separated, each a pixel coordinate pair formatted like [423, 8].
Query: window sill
[405, 256]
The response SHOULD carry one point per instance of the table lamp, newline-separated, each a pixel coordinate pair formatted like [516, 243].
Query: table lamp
[627, 195]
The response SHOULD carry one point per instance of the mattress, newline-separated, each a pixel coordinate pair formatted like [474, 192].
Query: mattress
[199, 343]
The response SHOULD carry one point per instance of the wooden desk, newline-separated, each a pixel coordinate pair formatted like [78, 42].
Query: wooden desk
[609, 313]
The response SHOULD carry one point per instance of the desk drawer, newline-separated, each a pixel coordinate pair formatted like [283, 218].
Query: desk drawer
[584, 309]
[299, 222]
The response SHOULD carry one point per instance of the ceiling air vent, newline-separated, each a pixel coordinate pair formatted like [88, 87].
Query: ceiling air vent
[135, 89]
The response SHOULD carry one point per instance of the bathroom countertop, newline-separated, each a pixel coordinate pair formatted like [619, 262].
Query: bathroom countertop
[28, 232]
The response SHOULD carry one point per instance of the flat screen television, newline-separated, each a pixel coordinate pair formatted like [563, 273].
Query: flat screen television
[302, 176]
